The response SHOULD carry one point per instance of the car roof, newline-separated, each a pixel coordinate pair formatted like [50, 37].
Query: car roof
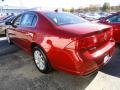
[43, 12]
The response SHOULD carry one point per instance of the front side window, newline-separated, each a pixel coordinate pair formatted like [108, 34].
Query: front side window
[64, 18]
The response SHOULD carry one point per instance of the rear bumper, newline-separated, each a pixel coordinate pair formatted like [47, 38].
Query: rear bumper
[94, 61]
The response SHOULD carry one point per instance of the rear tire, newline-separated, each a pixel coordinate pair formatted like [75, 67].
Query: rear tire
[41, 61]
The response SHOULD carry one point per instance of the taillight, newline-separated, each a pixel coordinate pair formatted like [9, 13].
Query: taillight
[87, 43]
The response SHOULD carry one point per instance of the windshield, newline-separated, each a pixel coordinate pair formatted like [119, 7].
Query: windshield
[64, 18]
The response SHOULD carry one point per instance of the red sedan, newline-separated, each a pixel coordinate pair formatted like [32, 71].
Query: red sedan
[62, 41]
[113, 20]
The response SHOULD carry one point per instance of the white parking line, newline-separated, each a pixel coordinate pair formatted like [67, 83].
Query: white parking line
[3, 38]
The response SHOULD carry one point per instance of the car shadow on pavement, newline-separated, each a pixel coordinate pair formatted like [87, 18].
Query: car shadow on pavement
[63, 81]
[5, 48]
[113, 67]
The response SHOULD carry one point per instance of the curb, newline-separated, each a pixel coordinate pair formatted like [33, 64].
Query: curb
[3, 38]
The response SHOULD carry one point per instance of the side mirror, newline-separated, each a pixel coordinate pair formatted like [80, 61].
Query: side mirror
[10, 23]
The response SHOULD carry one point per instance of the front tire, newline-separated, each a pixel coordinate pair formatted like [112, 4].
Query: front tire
[41, 61]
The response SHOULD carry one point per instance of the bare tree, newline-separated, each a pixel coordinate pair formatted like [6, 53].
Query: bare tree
[106, 7]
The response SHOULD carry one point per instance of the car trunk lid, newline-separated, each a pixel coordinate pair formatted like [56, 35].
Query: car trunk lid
[83, 29]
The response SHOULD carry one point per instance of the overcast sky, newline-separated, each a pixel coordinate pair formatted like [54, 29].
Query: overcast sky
[58, 3]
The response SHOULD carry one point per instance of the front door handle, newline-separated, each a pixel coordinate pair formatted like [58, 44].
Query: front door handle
[13, 29]
[29, 34]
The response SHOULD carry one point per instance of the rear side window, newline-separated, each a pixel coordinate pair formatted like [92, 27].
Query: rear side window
[34, 20]
[29, 20]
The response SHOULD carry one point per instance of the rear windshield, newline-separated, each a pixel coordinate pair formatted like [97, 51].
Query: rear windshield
[64, 18]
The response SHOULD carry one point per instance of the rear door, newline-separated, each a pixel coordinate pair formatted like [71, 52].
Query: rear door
[115, 22]
[28, 25]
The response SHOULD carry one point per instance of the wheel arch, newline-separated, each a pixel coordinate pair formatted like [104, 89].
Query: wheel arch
[33, 44]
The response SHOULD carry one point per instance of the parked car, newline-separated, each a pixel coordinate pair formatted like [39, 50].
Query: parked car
[3, 25]
[113, 20]
[62, 41]
[104, 14]
[92, 16]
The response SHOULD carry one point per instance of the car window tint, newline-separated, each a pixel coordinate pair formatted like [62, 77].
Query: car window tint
[18, 20]
[28, 20]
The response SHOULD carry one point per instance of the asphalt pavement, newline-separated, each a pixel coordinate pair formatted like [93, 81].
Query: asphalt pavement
[18, 72]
